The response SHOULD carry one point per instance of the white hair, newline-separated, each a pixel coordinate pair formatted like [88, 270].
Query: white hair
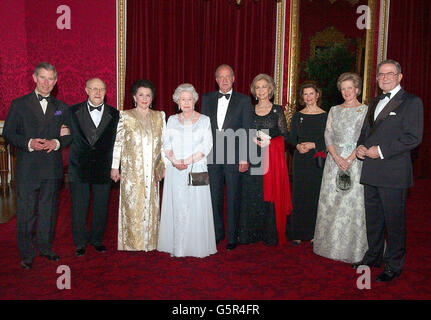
[185, 87]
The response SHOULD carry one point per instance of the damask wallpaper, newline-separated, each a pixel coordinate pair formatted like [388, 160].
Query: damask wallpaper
[77, 37]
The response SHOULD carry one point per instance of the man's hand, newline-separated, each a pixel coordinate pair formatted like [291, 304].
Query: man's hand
[243, 166]
[361, 152]
[115, 174]
[37, 144]
[49, 145]
[64, 131]
[373, 152]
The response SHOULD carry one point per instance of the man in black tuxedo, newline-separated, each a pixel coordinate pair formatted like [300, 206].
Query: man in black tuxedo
[391, 129]
[33, 126]
[93, 129]
[230, 113]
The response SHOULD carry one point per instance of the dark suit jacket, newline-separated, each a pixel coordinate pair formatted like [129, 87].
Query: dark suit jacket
[26, 120]
[90, 155]
[397, 130]
[239, 115]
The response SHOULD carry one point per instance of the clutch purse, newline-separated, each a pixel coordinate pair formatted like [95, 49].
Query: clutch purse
[199, 178]
[343, 180]
[320, 157]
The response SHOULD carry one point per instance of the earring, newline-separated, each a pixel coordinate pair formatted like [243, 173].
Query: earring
[256, 98]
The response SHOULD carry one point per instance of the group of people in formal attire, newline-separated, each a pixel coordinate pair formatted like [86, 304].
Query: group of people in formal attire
[351, 169]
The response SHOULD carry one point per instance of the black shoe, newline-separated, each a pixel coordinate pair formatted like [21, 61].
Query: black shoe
[100, 248]
[50, 256]
[387, 276]
[356, 265]
[296, 242]
[26, 265]
[79, 252]
[231, 246]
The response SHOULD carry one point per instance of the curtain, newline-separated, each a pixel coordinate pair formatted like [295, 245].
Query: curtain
[172, 42]
[409, 44]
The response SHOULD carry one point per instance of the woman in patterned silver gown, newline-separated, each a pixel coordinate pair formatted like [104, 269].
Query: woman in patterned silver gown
[340, 232]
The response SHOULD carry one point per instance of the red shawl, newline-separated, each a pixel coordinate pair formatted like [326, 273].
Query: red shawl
[276, 187]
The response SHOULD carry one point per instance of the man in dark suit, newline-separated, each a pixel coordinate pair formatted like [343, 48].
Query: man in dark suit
[230, 113]
[392, 128]
[33, 126]
[93, 129]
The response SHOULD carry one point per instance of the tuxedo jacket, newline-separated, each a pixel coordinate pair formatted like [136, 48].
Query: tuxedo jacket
[397, 130]
[238, 116]
[90, 155]
[25, 121]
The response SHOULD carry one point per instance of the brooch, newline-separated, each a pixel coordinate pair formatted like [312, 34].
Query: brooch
[57, 113]
[300, 119]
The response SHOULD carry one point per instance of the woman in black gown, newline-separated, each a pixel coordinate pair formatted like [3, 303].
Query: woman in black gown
[258, 217]
[307, 137]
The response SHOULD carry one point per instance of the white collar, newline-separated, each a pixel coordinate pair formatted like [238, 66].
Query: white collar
[394, 91]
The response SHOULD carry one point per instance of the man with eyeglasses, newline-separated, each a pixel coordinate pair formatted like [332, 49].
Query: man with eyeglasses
[33, 126]
[392, 128]
[93, 129]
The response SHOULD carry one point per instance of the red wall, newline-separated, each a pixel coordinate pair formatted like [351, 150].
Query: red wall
[29, 34]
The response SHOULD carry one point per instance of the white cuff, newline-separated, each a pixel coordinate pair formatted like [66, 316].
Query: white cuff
[58, 145]
[380, 153]
[29, 148]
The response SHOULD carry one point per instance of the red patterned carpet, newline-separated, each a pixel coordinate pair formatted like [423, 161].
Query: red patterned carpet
[252, 272]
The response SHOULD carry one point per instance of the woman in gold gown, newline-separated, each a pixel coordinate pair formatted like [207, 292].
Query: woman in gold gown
[137, 150]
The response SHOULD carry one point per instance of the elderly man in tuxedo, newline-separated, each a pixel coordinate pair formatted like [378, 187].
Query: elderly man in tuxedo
[391, 129]
[33, 126]
[230, 113]
[93, 129]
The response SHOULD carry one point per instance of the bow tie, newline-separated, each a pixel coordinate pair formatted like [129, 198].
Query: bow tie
[96, 108]
[384, 95]
[226, 95]
[40, 97]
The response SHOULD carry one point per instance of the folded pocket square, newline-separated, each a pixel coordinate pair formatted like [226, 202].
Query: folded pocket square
[392, 114]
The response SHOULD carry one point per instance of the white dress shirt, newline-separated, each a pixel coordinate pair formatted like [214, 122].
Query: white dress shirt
[96, 115]
[381, 105]
[44, 105]
[223, 103]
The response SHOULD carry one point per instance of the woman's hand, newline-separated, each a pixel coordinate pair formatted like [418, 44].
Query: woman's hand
[179, 164]
[302, 148]
[115, 174]
[342, 163]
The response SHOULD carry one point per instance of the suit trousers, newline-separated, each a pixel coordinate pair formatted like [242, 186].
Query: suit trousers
[385, 210]
[219, 175]
[37, 205]
[80, 203]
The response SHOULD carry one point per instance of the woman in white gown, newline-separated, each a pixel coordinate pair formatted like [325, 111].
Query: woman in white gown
[186, 225]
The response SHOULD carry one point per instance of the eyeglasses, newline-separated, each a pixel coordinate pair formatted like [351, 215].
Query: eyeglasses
[389, 75]
[97, 89]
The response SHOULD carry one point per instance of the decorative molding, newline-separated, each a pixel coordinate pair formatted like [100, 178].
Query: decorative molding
[326, 37]
[121, 51]
[369, 53]
[279, 52]
[383, 30]
[360, 50]
[293, 62]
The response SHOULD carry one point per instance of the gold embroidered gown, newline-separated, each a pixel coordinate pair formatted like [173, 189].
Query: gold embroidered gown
[137, 151]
